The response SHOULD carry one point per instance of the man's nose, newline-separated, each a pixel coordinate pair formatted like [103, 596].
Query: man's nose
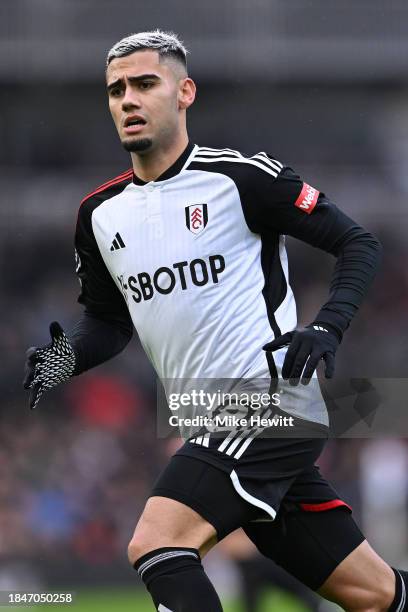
[130, 99]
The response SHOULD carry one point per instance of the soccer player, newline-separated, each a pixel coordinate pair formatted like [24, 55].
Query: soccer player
[188, 247]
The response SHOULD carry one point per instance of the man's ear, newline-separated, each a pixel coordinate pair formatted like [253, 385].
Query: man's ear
[187, 93]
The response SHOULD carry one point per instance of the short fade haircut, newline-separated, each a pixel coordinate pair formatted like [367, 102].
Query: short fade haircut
[167, 44]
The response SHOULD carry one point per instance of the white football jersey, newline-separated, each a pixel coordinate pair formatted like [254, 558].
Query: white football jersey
[197, 259]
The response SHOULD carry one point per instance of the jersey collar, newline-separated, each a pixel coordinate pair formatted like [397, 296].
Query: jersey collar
[172, 170]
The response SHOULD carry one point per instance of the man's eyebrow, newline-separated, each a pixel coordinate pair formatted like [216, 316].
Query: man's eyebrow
[133, 79]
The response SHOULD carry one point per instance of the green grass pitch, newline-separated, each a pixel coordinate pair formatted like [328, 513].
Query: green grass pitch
[132, 600]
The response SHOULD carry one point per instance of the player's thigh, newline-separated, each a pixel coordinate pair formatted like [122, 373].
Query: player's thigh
[361, 581]
[309, 545]
[167, 522]
[192, 504]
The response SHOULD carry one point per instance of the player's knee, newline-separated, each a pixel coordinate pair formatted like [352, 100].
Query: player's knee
[378, 598]
[145, 540]
[138, 546]
[383, 596]
[378, 601]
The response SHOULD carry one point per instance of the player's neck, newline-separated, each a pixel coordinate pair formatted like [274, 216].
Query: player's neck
[150, 166]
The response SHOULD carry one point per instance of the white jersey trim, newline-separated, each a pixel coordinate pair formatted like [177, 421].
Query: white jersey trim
[210, 151]
[260, 160]
[262, 156]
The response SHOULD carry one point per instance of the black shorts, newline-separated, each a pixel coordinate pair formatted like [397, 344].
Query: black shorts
[282, 504]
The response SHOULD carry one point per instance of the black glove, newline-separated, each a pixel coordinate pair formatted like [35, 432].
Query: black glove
[309, 345]
[50, 365]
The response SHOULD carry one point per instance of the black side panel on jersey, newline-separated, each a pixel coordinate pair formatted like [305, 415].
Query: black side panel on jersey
[275, 287]
[99, 294]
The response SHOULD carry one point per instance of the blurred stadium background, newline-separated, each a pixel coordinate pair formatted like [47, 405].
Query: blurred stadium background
[322, 85]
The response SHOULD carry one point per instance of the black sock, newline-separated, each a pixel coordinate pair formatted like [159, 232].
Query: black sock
[400, 602]
[177, 582]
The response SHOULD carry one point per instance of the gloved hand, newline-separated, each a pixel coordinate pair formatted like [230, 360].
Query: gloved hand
[50, 365]
[306, 347]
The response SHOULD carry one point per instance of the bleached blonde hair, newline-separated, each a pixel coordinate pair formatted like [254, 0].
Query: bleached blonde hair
[167, 44]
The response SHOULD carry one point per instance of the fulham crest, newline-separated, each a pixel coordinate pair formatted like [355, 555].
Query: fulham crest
[196, 217]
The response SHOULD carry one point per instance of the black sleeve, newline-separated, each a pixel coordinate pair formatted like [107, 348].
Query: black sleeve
[95, 340]
[287, 205]
[105, 327]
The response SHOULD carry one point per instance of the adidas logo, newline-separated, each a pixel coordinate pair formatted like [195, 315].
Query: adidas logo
[117, 243]
[320, 328]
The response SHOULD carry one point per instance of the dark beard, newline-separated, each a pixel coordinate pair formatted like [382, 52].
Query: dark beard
[134, 146]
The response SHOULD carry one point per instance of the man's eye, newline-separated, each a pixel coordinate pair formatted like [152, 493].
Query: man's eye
[146, 84]
[115, 92]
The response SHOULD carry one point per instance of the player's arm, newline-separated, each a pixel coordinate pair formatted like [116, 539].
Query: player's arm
[103, 331]
[289, 206]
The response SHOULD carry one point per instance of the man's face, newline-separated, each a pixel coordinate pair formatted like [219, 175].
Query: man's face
[144, 99]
